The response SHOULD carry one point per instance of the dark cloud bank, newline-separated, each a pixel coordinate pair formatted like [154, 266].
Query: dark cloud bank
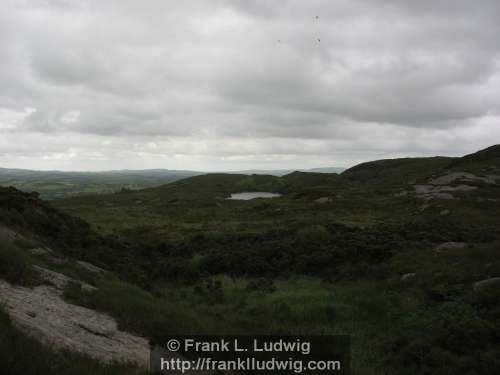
[245, 84]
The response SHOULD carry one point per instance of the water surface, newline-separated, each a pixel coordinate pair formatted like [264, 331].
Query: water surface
[247, 195]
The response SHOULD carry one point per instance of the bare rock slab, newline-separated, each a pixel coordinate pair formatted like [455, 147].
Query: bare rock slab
[39, 251]
[42, 314]
[86, 266]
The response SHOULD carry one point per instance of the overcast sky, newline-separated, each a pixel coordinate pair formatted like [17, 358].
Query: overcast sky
[228, 85]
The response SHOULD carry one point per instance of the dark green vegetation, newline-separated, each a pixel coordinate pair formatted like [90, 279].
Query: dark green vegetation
[56, 184]
[327, 257]
[484, 160]
[15, 266]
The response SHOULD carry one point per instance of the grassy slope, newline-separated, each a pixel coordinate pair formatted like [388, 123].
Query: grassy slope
[484, 161]
[175, 210]
[397, 172]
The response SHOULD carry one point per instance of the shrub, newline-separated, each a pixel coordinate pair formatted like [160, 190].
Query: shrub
[262, 284]
[450, 337]
[15, 266]
[25, 243]
[314, 234]
[138, 311]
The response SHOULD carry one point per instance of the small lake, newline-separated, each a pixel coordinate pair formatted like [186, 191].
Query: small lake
[247, 195]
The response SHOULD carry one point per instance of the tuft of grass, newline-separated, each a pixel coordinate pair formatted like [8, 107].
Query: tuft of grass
[15, 266]
[25, 243]
[137, 310]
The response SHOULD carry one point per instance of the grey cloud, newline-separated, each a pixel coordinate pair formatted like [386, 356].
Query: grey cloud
[245, 72]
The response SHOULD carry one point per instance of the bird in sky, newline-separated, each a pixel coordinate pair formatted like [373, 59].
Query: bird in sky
[319, 40]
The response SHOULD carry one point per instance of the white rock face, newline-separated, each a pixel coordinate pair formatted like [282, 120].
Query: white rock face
[86, 266]
[43, 314]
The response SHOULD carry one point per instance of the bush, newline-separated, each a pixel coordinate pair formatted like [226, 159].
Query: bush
[314, 234]
[25, 243]
[138, 311]
[262, 284]
[15, 266]
[449, 338]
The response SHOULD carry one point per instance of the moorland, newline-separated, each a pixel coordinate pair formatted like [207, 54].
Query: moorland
[400, 254]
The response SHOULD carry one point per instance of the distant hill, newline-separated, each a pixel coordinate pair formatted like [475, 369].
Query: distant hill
[387, 172]
[408, 170]
[397, 171]
[487, 160]
[282, 172]
[58, 184]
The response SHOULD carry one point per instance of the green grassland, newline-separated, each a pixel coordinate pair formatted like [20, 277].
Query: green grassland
[57, 184]
[187, 260]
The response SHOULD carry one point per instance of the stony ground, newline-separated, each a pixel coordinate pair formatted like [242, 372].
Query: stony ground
[42, 313]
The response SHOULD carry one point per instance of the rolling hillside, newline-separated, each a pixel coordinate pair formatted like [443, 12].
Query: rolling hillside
[402, 255]
[56, 184]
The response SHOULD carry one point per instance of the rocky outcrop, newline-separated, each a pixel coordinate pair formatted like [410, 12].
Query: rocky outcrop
[89, 267]
[42, 314]
[443, 187]
[464, 177]
[440, 192]
[408, 276]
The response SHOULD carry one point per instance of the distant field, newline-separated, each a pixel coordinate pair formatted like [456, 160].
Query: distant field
[55, 184]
